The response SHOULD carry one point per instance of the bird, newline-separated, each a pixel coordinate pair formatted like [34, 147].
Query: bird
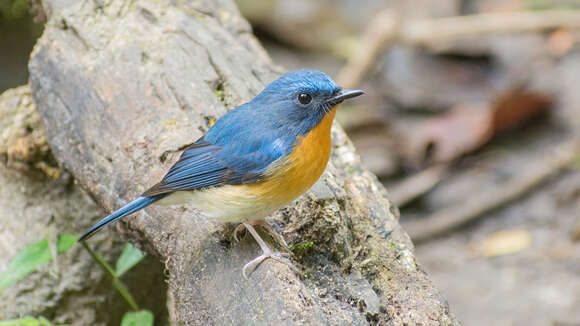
[255, 159]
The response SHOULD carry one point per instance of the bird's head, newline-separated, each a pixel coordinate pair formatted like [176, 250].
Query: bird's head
[302, 97]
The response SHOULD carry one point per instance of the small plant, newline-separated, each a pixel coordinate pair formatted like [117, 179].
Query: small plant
[32, 257]
[37, 254]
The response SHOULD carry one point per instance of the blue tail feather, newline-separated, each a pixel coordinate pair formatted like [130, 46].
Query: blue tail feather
[131, 207]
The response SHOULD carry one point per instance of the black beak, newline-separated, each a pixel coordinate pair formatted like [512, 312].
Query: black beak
[343, 95]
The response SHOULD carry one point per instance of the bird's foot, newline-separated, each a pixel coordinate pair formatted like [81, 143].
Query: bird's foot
[281, 257]
[266, 253]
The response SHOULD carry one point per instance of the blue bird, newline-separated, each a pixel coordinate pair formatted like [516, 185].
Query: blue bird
[255, 159]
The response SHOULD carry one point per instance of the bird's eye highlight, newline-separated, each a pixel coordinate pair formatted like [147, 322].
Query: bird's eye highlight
[304, 98]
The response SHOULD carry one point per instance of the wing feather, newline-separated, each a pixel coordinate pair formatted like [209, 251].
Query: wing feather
[203, 165]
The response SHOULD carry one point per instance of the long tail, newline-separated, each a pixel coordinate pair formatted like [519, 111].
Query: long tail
[131, 207]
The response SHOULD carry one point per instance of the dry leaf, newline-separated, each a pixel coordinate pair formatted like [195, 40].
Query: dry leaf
[503, 243]
[444, 138]
[467, 127]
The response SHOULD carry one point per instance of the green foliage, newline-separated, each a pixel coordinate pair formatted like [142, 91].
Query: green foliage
[26, 261]
[28, 321]
[38, 253]
[301, 245]
[129, 258]
[301, 248]
[137, 318]
[32, 257]
[117, 283]
[66, 241]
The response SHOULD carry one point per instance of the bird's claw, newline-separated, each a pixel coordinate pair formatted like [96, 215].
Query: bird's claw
[237, 230]
[266, 252]
[281, 257]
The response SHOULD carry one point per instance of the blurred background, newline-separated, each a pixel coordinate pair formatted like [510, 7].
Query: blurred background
[471, 120]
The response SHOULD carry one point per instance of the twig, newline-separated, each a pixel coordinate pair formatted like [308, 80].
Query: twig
[380, 31]
[531, 175]
[416, 185]
[431, 31]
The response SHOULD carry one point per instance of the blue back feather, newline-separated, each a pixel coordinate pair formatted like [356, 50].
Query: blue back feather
[242, 144]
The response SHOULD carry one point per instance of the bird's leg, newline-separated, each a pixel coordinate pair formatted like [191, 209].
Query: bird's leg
[279, 239]
[266, 253]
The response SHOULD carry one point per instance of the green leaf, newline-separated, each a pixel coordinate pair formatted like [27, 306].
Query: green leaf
[27, 321]
[25, 262]
[138, 318]
[129, 258]
[66, 241]
[44, 322]
[31, 257]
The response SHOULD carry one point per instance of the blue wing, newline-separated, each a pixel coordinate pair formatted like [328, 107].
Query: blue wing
[204, 165]
[236, 150]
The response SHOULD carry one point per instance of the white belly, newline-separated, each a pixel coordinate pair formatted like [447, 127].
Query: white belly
[227, 203]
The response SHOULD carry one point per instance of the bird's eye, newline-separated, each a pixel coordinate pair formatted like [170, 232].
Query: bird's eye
[304, 98]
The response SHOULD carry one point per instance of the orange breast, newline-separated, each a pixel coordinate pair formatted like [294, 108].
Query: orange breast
[301, 169]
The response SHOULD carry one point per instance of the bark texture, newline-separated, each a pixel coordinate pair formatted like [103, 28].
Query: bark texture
[123, 86]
